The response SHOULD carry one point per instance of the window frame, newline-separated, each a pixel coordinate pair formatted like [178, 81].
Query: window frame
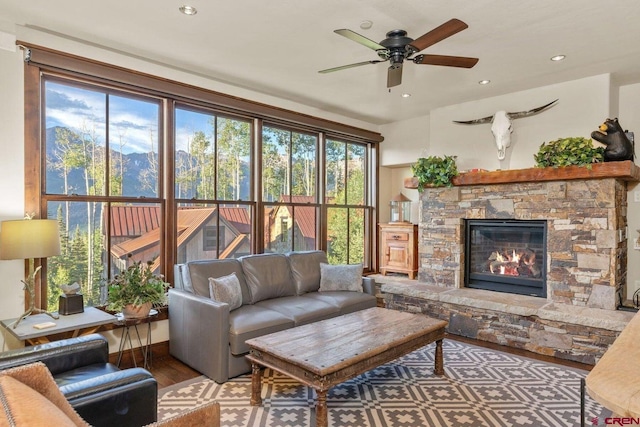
[42, 62]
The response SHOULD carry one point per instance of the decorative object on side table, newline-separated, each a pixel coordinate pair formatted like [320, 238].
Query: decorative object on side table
[400, 208]
[135, 290]
[568, 151]
[71, 301]
[30, 239]
[434, 171]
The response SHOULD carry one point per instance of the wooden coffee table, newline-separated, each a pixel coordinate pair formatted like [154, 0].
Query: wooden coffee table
[323, 354]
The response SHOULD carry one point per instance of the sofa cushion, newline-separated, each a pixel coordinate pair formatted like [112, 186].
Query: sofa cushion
[267, 276]
[200, 271]
[251, 321]
[345, 302]
[226, 289]
[305, 270]
[301, 310]
[341, 277]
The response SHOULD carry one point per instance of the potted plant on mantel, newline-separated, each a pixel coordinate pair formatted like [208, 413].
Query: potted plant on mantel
[577, 151]
[434, 171]
[136, 290]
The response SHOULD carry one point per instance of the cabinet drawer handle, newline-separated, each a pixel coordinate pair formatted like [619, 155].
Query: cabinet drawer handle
[395, 237]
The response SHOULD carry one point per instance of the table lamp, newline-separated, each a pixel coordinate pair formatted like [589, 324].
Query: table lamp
[29, 239]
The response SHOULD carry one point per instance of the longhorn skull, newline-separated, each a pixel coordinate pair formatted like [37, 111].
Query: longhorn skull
[501, 126]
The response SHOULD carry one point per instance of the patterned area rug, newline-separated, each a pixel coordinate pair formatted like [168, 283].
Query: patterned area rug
[482, 387]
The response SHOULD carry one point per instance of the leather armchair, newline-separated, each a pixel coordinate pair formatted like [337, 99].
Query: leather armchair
[101, 393]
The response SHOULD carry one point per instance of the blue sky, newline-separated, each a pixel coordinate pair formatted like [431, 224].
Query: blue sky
[133, 122]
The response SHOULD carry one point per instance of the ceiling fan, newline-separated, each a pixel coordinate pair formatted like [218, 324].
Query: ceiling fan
[397, 47]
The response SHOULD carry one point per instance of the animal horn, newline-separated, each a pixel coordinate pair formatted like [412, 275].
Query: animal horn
[487, 119]
[521, 114]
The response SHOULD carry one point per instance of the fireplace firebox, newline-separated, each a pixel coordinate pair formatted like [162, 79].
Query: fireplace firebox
[506, 256]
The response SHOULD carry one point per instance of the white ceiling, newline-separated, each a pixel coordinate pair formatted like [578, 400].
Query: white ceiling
[277, 47]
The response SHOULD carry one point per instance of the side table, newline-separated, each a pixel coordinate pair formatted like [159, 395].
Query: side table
[125, 338]
[67, 326]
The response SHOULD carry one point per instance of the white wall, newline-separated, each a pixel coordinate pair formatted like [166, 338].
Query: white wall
[404, 141]
[12, 180]
[629, 117]
[582, 106]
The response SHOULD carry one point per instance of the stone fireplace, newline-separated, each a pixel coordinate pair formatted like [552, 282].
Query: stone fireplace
[583, 212]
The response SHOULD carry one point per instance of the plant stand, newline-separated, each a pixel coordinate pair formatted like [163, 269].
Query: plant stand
[125, 338]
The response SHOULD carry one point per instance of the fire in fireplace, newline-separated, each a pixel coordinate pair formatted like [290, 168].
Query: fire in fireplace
[506, 256]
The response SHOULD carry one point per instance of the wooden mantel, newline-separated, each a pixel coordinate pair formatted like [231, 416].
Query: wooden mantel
[625, 171]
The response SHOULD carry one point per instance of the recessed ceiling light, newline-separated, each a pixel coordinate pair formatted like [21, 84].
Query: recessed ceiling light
[558, 57]
[484, 82]
[406, 95]
[365, 25]
[188, 10]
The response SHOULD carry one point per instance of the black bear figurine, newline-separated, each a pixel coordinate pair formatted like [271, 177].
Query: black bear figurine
[618, 146]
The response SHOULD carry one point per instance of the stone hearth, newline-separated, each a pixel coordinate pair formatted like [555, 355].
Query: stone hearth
[585, 210]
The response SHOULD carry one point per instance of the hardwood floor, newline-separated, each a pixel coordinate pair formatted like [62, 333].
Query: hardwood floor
[168, 370]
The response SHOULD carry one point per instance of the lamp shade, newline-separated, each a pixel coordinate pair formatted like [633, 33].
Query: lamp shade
[29, 238]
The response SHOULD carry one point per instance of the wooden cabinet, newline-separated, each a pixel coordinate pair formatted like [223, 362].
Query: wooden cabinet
[399, 248]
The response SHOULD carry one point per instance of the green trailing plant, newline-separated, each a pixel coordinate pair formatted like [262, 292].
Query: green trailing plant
[568, 151]
[137, 285]
[434, 171]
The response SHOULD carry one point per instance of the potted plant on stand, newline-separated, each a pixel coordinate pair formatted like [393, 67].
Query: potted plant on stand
[136, 290]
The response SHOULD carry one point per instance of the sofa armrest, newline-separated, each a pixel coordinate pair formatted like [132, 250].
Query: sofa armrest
[199, 333]
[125, 398]
[369, 286]
[60, 356]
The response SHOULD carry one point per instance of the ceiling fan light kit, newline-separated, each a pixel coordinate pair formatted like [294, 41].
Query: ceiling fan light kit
[398, 47]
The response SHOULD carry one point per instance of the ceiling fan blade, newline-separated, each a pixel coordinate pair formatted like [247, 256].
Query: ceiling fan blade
[351, 35]
[440, 33]
[394, 75]
[344, 67]
[447, 61]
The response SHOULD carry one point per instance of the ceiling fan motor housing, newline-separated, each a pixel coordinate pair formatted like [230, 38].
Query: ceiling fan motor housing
[397, 44]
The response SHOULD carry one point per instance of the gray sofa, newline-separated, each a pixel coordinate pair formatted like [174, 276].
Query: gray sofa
[278, 292]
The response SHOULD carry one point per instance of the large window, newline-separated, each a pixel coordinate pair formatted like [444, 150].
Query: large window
[136, 168]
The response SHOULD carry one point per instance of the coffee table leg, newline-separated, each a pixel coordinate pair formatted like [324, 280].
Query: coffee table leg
[256, 384]
[438, 368]
[321, 409]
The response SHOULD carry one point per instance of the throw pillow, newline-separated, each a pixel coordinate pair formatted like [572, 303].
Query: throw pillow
[340, 277]
[226, 289]
[23, 406]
